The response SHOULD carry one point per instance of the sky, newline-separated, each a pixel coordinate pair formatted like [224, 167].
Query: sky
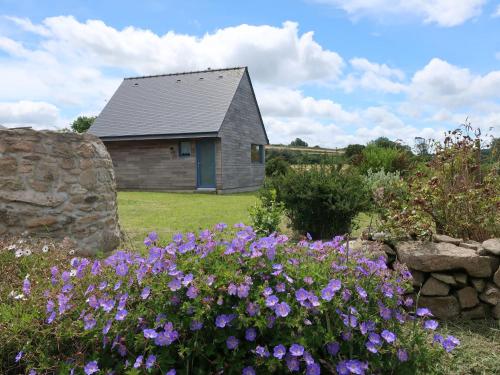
[332, 72]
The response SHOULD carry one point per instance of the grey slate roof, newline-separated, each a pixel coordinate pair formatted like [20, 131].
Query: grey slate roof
[170, 104]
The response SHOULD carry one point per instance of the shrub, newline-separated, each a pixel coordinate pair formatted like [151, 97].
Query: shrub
[212, 303]
[450, 195]
[277, 167]
[388, 159]
[322, 200]
[267, 214]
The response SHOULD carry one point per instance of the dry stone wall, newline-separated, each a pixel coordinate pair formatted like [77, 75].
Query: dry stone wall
[454, 278]
[58, 185]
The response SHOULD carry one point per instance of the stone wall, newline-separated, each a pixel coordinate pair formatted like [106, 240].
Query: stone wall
[453, 278]
[58, 185]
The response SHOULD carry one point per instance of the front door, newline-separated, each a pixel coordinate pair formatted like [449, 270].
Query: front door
[205, 161]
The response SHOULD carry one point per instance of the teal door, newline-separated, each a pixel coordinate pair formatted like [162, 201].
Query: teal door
[205, 161]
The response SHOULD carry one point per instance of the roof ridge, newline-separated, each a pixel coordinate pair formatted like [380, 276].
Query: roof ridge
[191, 72]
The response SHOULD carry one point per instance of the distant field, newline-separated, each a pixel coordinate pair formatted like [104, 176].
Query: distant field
[170, 213]
[314, 150]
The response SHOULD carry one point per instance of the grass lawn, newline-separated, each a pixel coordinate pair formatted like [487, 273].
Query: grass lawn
[169, 213]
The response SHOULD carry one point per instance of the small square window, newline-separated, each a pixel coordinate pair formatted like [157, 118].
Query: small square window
[185, 148]
[257, 153]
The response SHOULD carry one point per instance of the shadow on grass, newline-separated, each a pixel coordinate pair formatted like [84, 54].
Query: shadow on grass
[479, 350]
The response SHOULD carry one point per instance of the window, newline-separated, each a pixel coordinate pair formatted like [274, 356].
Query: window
[185, 148]
[257, 153]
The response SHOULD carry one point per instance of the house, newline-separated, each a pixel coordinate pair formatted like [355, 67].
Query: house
[186, 131]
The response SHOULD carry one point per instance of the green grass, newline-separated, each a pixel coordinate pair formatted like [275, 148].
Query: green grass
[170, 213]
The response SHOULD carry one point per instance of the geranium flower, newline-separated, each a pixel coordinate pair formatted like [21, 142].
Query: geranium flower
[138, 361]
[91, 368]
[262, 351]
[279, 351]
[388, 336]
[121, 314]
[232, 342]
[296, 350]
[248, 371]
[450, 343]
[333, 348]
[150, 333]
[150, 361]
[271, 301]
[250, 334]
[19, 356]
[431, 325]
[402, 355]
[313, 369]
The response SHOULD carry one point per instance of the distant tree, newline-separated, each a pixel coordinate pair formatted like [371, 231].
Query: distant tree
[353, 150]
[298, 143]
[421, 147]
[82, 124]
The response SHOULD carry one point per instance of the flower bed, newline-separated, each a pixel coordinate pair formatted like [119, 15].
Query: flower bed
[220, 303]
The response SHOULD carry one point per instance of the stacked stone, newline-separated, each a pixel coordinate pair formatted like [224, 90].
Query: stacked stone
[58, 185]
[455, 278]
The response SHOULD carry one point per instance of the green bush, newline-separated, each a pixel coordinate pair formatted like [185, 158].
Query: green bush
[267, 214]
[389, 159]
[276, 167]
[216, 303]
[322, 200]
[450, 195]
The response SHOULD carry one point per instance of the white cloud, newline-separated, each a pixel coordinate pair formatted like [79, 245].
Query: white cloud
[274, 54]
[285, 102]
[372, 76]
[446, 13]
[496, 13]
[442, 84]
[40, 115]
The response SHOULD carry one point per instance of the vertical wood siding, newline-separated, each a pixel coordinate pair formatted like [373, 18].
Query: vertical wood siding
[241, 128]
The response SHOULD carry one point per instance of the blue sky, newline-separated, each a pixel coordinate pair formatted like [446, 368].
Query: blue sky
[332, 72]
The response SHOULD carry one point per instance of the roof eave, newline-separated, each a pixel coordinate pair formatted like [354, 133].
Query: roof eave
[145, 137]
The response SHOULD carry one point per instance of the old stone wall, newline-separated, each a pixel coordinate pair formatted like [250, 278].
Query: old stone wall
[58, 185]
[453, 278]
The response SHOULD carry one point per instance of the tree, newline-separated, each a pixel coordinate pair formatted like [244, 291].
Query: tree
[299, 143]
[421, 147]
[82, 124]
[353, 150]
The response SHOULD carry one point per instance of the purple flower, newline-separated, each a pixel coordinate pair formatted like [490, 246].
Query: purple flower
[313, 369]
[352, 366]
[402, 355]
[138, 361]
[371, 347]
[174, 285]
[262, 351]
[196, 325]
[121, 269]
[333, 348]
[192, 292]
[280, 287]
[282, 309]
[301, 295]
[252, 309]
[374, 338]
[150, 333]
[271, 301]
[171, 372]
[431, 325]
[450, 343]
[388, 336]
[107, 327]
[292, 363]
[248, 371]
[26, 286]
[150, 361]
[19, 356]
[91, 368]
[145, 292]
[250, 334]
[267, 292]
[279, 351]
[296, 350]
[88, 322]
[223, 320]
[121, 314]
[243, 290]
[424, 312]
[232, 342]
